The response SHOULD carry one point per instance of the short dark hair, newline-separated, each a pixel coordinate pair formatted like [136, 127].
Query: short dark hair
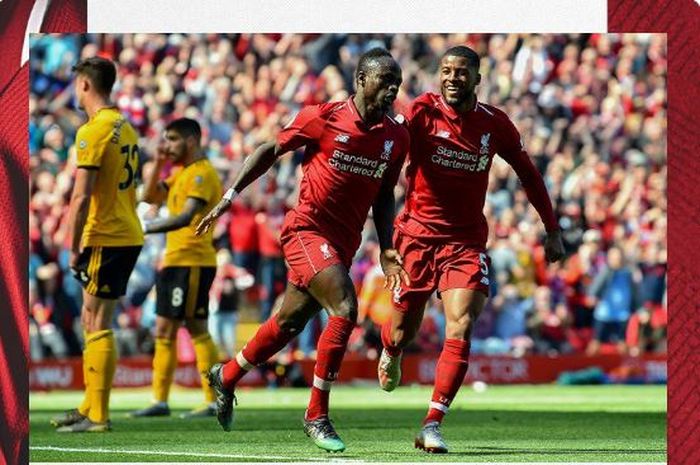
[101, 72]
[186, 127]
[370, 57]
[465, 52]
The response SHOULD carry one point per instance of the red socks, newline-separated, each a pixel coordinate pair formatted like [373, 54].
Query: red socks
[387, 342]
[330, 352]
[269, 340]
[449, 376]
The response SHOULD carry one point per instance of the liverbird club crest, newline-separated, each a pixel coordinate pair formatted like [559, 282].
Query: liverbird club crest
[388, 145]
[485, 143]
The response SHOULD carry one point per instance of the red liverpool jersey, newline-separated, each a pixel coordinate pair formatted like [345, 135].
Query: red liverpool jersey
[448, 170]
[344, 165]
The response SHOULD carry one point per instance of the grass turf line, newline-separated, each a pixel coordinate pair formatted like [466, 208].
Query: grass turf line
[503, 424]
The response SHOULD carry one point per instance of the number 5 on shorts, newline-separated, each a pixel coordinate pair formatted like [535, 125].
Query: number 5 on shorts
[483, 264]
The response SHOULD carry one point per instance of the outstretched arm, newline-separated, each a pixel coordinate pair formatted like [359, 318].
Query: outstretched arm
[537, 194]
[171, 223]
[254, 166]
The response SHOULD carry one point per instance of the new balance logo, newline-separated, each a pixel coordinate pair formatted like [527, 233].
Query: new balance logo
[342, 138]
[485, 281]
[444, 134]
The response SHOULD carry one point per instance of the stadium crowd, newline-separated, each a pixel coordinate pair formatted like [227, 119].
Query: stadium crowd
[591, 110]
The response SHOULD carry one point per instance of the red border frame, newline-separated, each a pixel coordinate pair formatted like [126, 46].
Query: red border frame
[679, 18]
[61, 16]
[681, 21]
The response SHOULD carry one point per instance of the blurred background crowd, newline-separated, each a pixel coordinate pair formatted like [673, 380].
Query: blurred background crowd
[591, 110]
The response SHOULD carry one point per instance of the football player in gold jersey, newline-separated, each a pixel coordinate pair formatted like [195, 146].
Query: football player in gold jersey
[106, 234]
[189, 264]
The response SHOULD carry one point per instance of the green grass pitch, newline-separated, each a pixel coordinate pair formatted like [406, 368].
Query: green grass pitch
[504, 424]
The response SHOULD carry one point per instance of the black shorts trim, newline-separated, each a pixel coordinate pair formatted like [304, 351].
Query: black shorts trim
[104, 271]
[183, 292]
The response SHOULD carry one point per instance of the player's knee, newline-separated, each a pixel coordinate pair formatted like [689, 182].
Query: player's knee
[291, 324]
[165, 329]
[345, 308]
[459, 329]
[403, 335]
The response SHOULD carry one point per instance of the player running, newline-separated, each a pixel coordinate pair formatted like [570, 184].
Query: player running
[442, 232]
[189, 264]
[106, 234]
[354, 154]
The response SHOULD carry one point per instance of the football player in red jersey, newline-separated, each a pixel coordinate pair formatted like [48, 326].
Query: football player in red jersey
[353, 157]
[442, 232]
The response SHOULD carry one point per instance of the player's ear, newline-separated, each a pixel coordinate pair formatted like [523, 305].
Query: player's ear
[84, 83]
[361, 78]
[478, 78]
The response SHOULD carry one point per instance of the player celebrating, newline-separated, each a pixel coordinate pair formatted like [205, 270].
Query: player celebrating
[442, 232]
[354, 153]
[189, 264]
[106, 234]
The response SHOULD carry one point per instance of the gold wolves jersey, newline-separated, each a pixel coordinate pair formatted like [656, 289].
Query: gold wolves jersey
[183, 247]
[108, 143]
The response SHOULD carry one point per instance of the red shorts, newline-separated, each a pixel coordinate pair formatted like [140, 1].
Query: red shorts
[435, 266]
[308, 253]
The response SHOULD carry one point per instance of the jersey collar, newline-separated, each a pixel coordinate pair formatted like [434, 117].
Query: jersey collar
[451, 113]
[108, 107]
[358, 119]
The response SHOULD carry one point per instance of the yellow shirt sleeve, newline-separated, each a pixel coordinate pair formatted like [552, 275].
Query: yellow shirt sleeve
[200, 186]
[90, 144]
